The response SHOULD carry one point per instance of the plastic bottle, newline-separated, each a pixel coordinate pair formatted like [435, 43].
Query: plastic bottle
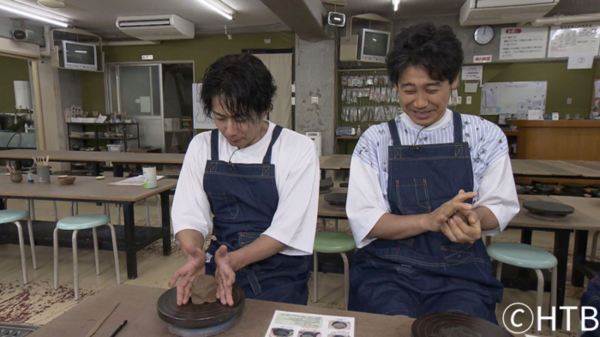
[30, 178]
[358, 132]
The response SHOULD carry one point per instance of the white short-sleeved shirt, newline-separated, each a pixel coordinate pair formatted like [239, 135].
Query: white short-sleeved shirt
[492, 172]
[296, 176]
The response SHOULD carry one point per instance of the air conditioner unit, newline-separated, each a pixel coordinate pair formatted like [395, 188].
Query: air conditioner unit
[156, 27]
[490, 12]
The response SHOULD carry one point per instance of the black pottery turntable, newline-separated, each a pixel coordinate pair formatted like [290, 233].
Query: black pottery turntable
[549, 211]
[455, 325]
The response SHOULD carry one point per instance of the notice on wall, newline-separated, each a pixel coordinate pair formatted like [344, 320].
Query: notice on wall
[523, 43]
[472, 73]
[580, 61]
[295, 324]
[568, 40]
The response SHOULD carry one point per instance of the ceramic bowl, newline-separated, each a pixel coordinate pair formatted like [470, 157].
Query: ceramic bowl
[68, 180]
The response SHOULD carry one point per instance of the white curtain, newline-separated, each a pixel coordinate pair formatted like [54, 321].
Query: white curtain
[280, 66]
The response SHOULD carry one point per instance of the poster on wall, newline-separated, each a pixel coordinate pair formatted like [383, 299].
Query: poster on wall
[518, 43]
[200, 119]
[472, 73]
[568, 40]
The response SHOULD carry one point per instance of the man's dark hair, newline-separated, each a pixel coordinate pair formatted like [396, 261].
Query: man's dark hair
[244, 85]
[423, 45]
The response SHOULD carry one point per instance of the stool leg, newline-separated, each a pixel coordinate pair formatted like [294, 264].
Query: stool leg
[540, 297]
[55, 244]
[346, 279]
[315, 273]
[158, 206]
[75, 267]
[22, 249]
[31, 243]
[499, 271]
[115, 252]
[147, 213]
[336, 225]
[118, 214]
[76, 208]
[553, 291]
[595, 245]
[55, 211]
[32, 209]
[107, 210]
[72, 208]
[96, 251]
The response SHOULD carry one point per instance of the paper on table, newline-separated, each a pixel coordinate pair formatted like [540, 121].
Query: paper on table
[491, 98]
[285, 323]
[470, 87]
[133, 181]
[580, 61]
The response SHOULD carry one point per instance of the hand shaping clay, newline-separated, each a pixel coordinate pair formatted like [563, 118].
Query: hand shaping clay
[204, 289]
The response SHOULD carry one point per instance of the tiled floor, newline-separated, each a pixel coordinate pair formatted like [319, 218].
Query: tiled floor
[38, 303]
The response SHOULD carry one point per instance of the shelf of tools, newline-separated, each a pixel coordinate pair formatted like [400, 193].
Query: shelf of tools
[367, 97]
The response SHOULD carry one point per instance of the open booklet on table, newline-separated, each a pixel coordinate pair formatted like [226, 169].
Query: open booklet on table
[133, 181]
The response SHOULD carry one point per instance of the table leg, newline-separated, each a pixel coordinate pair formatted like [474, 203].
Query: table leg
[130, 248]
[2, 205]
[95, 169]
[345, 146]
[579, 256]
[166, 221]
[561, 251]
[323, 173]
[526, 235]
[117, 170]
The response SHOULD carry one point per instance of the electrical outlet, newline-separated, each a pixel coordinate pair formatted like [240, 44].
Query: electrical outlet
[459, 100]
[314, 100]
[469, 100]
[569, 100]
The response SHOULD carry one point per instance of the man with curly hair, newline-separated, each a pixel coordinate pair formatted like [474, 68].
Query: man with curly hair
[258, 180]
[423, 189]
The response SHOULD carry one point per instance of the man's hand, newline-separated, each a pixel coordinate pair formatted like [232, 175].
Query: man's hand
[463, 227]
[187, 273]
[447, 210]
[225, 276]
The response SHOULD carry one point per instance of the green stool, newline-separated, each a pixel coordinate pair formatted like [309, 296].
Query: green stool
[527, 256]
[333, 242]
[14, 216]
[75, 224]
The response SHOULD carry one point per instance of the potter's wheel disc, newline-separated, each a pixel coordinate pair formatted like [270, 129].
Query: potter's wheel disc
[338, 199]
[192, 316]
[455, 325]
[547, 208]
[325, 184]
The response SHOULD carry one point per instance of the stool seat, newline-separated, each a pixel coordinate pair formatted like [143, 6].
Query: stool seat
[8, 216]
[333, 242]
[522, 255]
[84, 221]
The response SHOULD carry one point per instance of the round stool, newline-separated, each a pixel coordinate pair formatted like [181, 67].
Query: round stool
[75, 224]
[333, 242]
[14, 216]
[527, 256]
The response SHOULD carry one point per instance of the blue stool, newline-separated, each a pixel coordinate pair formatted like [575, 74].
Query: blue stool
[75, 224]
[14, 216]
[527, 256]
[333, 242]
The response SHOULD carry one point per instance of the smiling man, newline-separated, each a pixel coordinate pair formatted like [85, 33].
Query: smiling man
[255, 184]
[424, 187]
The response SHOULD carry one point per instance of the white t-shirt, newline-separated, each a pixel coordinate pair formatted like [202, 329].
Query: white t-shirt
[492, 172]
[296, 176]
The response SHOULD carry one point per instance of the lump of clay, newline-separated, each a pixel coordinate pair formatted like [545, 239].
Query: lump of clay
[204, 289]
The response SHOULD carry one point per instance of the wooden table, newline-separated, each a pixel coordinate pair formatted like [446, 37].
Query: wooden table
[95, 158]
[332, 212]
[89, 189]
[334, 162]
[575, 169]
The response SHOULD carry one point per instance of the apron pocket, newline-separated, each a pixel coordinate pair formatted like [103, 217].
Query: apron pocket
[458, 253]
[413, 197]
[246, 238]
[224, 206]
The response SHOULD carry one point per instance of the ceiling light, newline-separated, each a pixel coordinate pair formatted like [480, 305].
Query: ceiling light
[34, 16]
[52, 3]
[396, 3]
[215, 8]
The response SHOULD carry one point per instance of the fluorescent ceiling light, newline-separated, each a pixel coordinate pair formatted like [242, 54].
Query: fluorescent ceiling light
[212, 6]
[396, 3]
[34, 16]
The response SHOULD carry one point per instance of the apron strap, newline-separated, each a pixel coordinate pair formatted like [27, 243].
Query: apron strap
[276, 133]
[214, 144]
[394, 132]
[458, 135]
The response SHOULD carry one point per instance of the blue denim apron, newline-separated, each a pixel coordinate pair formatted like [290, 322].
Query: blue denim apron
[243, 199]
[591, 298]
[427, 273]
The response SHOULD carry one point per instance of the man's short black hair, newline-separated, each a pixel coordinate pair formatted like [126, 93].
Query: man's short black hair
[423, 45]
[244, 85]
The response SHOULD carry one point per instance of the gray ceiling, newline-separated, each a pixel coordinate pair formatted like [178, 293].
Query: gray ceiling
[99, 16]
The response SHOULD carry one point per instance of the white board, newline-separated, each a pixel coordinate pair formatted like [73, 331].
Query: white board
[200, 120]
[512, 97]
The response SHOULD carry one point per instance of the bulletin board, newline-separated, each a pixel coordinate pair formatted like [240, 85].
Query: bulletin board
[513, 97]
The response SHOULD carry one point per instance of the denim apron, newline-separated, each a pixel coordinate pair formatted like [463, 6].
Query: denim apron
[243, 199]
[427, 273]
